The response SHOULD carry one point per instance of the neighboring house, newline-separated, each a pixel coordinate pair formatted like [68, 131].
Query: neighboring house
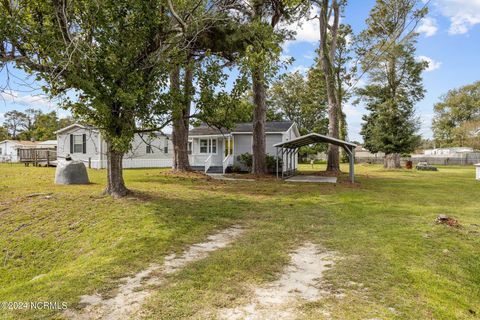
[447, 151]
[216, 149]
[85, 143]
[361, 152]
[10, 149]
[48, 144]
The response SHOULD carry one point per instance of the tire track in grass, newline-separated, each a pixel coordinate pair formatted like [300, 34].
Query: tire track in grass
[298, 283]
[130, 296]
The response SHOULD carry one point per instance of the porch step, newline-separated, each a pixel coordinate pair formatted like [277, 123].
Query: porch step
[212, 169]
[215, 169]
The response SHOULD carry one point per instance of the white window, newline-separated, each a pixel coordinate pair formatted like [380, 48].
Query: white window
[189, 147]
[213, 146]
[208, 146]
[203, 146]
[149, 149]
[78, 143]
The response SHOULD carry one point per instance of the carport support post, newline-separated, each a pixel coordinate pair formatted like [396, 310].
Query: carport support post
[283, 162]
[277, 161]
[351, 158]
[291, 158]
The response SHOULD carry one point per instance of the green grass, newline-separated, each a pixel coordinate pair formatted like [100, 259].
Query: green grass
[391, 253]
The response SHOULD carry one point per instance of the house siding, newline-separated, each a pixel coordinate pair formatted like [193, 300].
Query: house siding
[9, 153]
[93, 145]
[96, 147]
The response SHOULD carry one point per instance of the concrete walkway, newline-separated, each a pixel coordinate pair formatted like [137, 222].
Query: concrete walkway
[219, 176]
[317, 179]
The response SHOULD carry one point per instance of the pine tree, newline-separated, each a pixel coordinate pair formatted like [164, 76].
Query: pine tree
[394, 81]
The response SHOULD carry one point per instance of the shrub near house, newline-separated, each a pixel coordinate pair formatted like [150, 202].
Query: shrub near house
[246, 159]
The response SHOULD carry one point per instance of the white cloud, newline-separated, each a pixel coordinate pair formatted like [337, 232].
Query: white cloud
[30, 100]
[354, 120]
[428, 26]
[463, 14]
[309, 56]
[306, 29]
[300, 68]
[351, 111]
[432, 64]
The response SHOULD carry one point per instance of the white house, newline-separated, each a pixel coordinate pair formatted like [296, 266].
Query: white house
[213, 150]
[447, 151]
[85, 143]
[10, 149]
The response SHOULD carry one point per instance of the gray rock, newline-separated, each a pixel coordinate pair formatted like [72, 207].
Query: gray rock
[71, 172]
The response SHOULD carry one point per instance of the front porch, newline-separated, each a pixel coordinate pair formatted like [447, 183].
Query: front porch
[211, 154]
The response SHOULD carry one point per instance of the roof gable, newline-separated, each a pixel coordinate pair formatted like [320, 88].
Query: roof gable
[76, 125]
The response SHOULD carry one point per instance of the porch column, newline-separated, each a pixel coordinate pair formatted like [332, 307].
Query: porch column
[228, 146]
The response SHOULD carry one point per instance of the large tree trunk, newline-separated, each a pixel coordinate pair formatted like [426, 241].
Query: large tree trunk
[259, 166]
[392, 161]
[327, 54]
[180, 113]
[115, 184]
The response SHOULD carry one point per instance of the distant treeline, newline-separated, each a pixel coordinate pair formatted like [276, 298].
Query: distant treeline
[32, 124]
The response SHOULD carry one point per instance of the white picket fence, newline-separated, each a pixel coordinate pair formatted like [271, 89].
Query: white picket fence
[133, 163]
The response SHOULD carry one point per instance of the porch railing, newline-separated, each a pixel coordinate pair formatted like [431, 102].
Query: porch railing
[208, 163]
[226, 162]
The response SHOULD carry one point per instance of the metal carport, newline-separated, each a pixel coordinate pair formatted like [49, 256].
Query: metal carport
[290, 150]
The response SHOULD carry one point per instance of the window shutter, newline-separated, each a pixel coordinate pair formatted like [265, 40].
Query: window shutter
[71, 143]
[84, 136]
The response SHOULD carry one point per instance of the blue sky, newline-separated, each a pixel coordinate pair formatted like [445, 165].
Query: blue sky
[449, 39]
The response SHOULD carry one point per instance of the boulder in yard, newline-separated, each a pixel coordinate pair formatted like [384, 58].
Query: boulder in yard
[71, 172]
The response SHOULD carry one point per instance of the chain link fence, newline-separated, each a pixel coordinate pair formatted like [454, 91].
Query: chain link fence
[461, 159]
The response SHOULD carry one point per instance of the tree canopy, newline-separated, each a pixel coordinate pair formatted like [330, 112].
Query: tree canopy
[456, 114]
[33, 124]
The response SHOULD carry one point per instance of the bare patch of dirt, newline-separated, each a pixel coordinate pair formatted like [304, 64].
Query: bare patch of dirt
[299, 283]
[129, 297]
[449, 221]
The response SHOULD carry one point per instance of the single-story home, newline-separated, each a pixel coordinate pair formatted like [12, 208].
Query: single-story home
[85, 143]
[213, 150]
[10, 149]
[447, 151]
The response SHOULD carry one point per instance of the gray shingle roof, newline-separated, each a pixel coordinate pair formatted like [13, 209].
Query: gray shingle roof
[204, 130]
[273, 126]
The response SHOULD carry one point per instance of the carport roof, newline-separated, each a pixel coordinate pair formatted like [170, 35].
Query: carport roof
[312, 138]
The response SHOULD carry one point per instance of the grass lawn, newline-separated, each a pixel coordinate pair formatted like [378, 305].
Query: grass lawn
[393, 261]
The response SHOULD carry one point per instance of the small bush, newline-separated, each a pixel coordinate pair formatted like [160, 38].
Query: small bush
[272, 163]
[246, 159]
[236, 168]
